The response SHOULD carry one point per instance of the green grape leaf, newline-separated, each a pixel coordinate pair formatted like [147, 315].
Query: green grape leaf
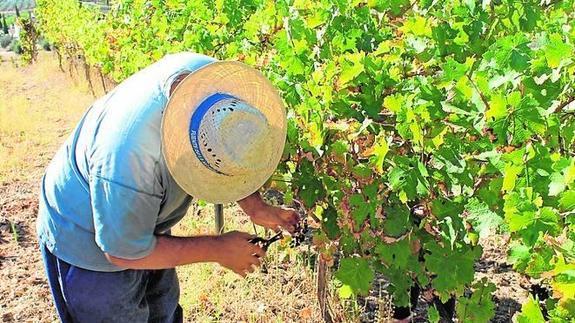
[510, 177]
[453, 268]
[512, 51]
[520, 220]
[557, 184]
[484, 220]
[400, 285]
[311, 187]
[395, 254]
[340, 147]
[356, 273]
[433, 314]
[397, 220]
[359, 209]
[540, 262]
[519, 256]
[526, 218]
[479, 306]
[329, 223]
[442, 208]
[567, 200]
[453, 70]
[362, 171]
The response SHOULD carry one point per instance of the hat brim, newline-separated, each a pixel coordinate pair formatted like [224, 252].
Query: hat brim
[245, 83]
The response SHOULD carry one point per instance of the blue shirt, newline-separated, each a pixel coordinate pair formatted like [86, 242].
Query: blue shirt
[108, 189]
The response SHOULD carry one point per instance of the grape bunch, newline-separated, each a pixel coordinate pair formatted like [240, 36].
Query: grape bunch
[301, 233]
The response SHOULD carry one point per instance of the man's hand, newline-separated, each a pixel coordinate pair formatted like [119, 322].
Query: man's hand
[235, 252]
[268, 216]
[274, 218]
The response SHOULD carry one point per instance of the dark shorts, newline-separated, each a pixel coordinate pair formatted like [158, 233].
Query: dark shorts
[84, 295]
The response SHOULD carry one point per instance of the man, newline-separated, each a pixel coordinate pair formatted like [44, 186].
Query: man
[186, 126]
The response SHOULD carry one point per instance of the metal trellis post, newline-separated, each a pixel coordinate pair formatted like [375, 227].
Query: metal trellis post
[219, 211]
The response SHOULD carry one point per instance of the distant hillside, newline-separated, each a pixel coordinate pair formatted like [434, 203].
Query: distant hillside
[23, 5]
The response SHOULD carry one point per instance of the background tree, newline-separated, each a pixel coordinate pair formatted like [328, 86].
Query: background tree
[4, 25]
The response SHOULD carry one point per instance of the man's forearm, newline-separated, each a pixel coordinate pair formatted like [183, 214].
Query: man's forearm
[173, 251]
[251, 204]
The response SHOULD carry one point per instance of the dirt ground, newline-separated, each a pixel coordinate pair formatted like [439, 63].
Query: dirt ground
[39, 105]
[29, 135]
[512, 288]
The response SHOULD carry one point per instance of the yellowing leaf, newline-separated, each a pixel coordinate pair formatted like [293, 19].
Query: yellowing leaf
[383, 48]
[510, 177]
[497, 108]
[351, 67]
[345, 292]
[417, 133]
[556, 50]
[530, 312]
[379, 150]
[315, 135]
[419, 26]
[464, 87]
[403, 197]
[393, 102]
[439, 139]
[570, 174]
[563, 282]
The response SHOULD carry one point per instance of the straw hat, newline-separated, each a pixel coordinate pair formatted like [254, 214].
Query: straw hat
[223, 132]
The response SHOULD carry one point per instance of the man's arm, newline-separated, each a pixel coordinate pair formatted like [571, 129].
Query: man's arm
[231, 250]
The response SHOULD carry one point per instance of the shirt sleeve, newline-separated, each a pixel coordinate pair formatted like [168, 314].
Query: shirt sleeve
[124, 218]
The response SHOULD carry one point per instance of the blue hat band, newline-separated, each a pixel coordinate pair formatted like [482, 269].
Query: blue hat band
[196, 121]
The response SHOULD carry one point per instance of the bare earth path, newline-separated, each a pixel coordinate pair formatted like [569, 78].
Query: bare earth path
[38, 107]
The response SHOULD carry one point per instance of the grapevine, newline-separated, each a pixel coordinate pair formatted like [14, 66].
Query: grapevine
[415, 130]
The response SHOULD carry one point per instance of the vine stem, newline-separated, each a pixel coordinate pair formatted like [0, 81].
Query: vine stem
[527, 170]
[483, 98]
[565, 103]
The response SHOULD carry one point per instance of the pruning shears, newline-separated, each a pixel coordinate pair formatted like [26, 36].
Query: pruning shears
[299, 235]
[265, 243]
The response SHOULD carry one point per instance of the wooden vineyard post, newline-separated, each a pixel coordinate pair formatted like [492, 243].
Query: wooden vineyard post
[322, 271]
[102, 80]
[219, 211]
[87, 75]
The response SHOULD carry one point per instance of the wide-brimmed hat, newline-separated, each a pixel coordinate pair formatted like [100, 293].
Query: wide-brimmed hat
[223, 132]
